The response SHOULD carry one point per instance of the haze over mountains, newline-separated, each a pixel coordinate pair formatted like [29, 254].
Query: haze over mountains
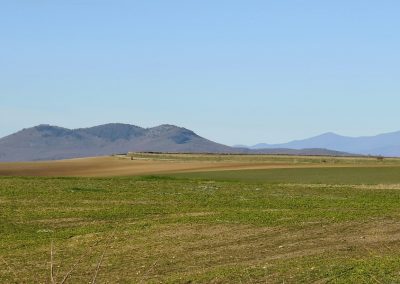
[45, 142]
[384, 144]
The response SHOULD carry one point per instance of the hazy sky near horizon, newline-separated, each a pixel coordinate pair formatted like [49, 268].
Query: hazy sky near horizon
[236, 72]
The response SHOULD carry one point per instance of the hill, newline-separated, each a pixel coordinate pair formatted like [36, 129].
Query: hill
[46, 142]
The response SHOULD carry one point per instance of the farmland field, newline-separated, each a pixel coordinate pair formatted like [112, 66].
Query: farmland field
[152, 218]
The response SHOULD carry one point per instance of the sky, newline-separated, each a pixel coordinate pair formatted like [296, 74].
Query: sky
[236, 72]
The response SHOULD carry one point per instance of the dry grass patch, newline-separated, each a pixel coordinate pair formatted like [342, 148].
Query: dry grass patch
[192, 252]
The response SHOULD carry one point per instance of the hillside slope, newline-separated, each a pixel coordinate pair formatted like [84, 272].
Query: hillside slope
[45, 142]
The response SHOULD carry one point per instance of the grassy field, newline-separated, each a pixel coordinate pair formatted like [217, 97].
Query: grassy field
[313, 175]
[313, 224]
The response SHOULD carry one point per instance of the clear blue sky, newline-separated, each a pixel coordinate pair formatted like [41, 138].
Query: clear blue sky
[238, 72]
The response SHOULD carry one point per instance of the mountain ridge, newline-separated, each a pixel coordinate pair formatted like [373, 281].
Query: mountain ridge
[49, 142]
[386, 144]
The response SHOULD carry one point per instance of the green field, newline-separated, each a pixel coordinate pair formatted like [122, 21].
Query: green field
[321, 225]
[339, 176]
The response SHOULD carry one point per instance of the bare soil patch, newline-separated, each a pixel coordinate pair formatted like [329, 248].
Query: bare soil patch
[114, 166]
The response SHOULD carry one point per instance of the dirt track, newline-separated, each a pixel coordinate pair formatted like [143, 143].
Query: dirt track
[113, 166]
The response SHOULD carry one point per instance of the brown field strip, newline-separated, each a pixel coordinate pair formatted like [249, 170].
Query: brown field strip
[114, 166]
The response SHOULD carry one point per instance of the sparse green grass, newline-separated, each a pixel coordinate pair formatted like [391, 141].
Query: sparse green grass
[341, 175]
[331, 225]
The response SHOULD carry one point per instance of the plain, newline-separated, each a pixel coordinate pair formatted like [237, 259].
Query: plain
[308, 219]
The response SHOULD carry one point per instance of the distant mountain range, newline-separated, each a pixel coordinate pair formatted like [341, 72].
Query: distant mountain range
[46, 142]
[384, 144]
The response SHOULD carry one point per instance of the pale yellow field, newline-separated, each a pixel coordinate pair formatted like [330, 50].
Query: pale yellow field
[142, 164]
